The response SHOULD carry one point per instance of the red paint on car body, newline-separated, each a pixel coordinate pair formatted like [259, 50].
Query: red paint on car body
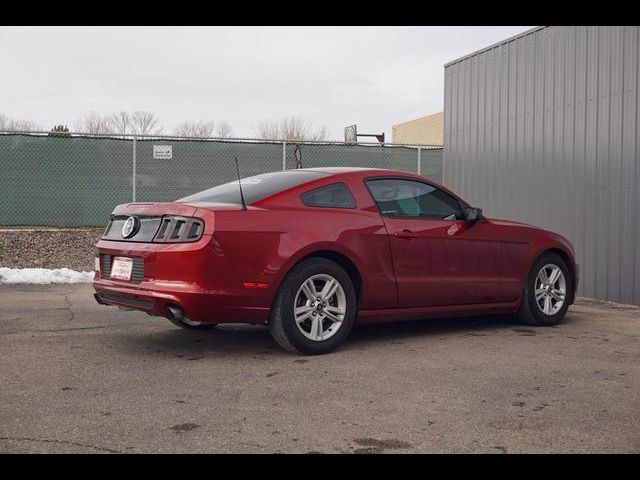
[403, 268]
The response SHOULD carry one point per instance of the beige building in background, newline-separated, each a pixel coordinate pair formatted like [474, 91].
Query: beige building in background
[424, 131]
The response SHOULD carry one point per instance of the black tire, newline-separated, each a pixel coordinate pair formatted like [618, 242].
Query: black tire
[282, 323]
[192, 326]
[530, 312]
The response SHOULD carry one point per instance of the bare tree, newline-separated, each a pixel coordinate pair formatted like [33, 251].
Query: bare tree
[204, 129]
[195, 129]
[223, 130]
[121, 123]
[145, 123]
[22, 125]
[269, 130]
[291, 128]
[96, 124]
[18, 125]
[320, 133]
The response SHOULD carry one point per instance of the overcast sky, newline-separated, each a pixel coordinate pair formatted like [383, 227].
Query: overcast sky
[334, 76]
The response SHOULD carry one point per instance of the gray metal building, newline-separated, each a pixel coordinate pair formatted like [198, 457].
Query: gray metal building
[544, 128]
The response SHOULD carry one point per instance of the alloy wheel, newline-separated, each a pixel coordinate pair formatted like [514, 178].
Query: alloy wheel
[550, 289]
[319, 307]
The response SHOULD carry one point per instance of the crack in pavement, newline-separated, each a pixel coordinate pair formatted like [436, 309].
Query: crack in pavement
[61, 442]
[57, 330]
[10, 319]
[67, 307]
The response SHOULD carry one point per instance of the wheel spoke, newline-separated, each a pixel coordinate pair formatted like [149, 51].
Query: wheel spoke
[328, 293]
[335, 310]
[309, 290]
[329, 284]
[302, 313]
[555, 274]
[332, 317]
[316, 328]
[540, 292]
[544, 278]
[547, 305]
[557, 295]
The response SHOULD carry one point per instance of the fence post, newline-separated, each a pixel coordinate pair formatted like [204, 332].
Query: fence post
[419, 160]
[134, 168]
[284, 155]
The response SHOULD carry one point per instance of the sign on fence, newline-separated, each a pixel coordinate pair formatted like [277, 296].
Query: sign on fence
[162, 152]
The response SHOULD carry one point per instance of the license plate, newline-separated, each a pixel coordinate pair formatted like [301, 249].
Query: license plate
[122, 268]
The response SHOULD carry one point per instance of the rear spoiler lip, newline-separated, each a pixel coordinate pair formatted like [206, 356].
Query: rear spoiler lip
[154, 209]
[172, 208]
[213, 206]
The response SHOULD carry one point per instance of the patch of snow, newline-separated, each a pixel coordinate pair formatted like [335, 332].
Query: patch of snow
[42, 276]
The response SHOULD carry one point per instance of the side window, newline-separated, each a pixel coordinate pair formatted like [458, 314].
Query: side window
[409, 198]
[336, 195]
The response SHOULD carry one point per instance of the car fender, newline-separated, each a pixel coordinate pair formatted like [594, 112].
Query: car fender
[309, 250]
[561, 244]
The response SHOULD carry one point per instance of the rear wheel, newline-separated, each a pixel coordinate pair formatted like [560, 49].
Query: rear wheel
[315, 308]
[546, 295]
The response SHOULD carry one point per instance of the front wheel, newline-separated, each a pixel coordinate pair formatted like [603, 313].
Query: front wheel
[315, 308]
[546, 295]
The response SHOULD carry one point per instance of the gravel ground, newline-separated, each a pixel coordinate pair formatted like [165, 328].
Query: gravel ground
[30, 248]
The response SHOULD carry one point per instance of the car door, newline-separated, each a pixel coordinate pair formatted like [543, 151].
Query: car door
[439, 258]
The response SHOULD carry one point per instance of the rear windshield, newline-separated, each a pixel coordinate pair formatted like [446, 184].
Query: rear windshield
[254, 188]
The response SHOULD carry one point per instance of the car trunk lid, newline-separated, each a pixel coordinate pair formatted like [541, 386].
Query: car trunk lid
[148, 218]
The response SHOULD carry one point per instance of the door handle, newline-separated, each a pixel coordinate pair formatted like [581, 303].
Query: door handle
[405, 234]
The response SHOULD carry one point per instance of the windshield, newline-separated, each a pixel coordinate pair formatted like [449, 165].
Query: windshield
[254, 188]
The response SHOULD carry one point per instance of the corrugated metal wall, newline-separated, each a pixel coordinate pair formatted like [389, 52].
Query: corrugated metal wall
[544, 128]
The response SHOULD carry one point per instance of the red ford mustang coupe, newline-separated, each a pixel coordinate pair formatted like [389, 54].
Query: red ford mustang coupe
[312, 251]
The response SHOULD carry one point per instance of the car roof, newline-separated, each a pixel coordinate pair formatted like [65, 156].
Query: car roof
[338, 169]
[333, 174]
[342, 170]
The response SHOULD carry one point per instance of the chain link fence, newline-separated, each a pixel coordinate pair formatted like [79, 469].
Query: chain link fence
[75, 180]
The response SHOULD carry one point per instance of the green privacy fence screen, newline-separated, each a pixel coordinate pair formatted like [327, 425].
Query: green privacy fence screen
[76, 180]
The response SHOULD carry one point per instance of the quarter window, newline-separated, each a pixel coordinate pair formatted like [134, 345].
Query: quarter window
[409, 198]
[336, 195]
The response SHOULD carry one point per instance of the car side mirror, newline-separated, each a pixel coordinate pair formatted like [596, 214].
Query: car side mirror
[473, 214]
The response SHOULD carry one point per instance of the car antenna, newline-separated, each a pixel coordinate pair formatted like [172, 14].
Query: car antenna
[244, 205]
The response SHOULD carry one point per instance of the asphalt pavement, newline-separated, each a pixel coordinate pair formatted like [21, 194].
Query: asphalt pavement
[79, 377]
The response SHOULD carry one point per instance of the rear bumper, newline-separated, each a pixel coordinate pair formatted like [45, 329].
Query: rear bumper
[197, 277]
[198, 305]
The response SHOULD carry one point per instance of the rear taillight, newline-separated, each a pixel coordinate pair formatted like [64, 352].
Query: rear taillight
[175, 229]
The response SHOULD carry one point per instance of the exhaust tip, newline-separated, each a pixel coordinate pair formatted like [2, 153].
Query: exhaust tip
[175, 313]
